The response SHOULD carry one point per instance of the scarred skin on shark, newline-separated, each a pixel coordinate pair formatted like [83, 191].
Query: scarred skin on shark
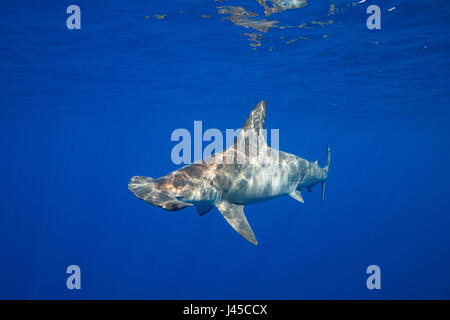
[247, 172]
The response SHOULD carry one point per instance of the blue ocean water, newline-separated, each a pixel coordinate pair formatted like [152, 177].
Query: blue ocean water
[82, 111]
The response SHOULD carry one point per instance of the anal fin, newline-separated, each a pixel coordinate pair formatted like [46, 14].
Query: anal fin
[234, 214]
[297, 195]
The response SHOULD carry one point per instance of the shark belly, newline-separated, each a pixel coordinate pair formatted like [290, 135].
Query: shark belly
[256, 184]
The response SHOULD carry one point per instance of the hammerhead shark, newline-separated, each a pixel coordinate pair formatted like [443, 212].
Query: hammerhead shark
[247, 172]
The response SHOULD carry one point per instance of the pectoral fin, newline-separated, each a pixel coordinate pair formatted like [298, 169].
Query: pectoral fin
[234, 214]
[297, 195]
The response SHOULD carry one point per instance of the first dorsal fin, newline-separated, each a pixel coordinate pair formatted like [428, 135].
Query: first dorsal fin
[257, 118]
[234, 214]
[252, 133]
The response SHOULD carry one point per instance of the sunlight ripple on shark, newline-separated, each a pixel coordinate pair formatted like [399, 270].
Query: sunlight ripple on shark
[227, 184]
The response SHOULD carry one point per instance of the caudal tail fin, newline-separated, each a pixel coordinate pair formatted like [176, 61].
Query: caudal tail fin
[327, 165]
[328, 158]
[146, 189]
